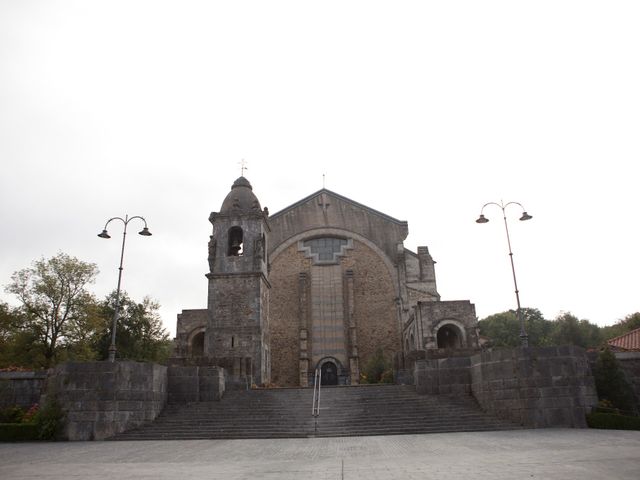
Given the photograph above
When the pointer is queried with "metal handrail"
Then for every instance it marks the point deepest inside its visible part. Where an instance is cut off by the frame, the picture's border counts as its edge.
(317, 382)
(315, 408)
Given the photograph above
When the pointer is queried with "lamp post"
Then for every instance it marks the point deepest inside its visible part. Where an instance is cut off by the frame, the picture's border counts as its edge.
(524, 338)
(145, 233)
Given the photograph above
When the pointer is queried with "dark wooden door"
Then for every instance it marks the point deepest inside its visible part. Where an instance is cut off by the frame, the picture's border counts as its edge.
(329, 374)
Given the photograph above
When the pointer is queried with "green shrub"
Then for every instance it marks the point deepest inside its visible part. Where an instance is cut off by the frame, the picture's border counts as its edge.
(11, 415)
(36, 424)
(49, 420)
(378, 369)
(18, 432)
(613, 421)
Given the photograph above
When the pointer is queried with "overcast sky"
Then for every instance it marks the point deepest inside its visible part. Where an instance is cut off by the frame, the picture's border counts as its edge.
(422, 110)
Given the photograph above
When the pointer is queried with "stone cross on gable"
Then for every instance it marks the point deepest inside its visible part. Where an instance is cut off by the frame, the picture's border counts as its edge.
(323, 201)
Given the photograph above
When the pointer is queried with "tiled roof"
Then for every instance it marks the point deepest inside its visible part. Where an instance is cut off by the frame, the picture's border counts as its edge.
(629, 341)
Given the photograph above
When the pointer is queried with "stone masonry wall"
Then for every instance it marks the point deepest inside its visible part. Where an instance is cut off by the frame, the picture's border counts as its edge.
(375, 309)
(195, 384)
(447, 376)
(535, 387)
(630, 364)
(102, 399)
(21, 389)
(284, 315)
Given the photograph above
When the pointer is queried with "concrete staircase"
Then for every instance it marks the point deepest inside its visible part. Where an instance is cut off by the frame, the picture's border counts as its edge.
(345, 411)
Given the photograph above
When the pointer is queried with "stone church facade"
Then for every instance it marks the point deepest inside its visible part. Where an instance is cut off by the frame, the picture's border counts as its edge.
(322, 284)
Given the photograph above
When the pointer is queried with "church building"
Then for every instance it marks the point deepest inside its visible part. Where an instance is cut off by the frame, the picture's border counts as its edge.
(322, 284)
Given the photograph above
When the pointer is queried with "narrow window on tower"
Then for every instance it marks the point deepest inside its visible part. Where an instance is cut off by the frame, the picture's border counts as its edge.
(233, 342)
(264, 248)
(235, 242)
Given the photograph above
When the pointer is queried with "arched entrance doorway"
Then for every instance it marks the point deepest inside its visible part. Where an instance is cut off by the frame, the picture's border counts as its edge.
(197, 345)
(329, 373)
(449, 337)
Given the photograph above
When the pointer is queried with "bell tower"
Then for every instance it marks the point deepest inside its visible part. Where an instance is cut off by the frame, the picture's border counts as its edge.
(238, 298)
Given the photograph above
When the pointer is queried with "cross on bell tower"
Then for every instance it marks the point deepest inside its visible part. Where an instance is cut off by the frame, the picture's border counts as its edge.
(243, 167)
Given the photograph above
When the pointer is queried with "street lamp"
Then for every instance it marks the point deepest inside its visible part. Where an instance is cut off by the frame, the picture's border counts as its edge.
(145, 233)
(524, 338)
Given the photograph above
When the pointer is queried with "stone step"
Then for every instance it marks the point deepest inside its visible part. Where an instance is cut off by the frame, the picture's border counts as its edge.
(345, 411)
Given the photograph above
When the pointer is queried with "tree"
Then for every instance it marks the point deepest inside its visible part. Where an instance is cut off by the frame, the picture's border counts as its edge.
(568, 330)
(55, 302)
(7, 323)
(611, 383)
(504, 328)
(140, 334)
(18, 347)
(627, 324)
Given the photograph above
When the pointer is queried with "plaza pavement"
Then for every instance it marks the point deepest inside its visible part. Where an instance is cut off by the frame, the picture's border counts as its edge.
(520, 454)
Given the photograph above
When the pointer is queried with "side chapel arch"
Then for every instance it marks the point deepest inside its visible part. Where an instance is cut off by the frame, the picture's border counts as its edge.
(195, 342)
(450, 334)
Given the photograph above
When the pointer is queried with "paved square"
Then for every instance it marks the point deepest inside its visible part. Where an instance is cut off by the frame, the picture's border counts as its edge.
(561, 454)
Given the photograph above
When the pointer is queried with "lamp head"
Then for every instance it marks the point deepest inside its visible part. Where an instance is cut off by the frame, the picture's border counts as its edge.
(525, 216)
(104, 234)
(145, 232)
(482, 219)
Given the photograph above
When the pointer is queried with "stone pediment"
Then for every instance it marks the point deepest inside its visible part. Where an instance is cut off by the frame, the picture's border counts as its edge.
(325, 209)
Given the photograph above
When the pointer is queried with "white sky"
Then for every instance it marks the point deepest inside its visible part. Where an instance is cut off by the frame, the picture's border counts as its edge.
(422, 110)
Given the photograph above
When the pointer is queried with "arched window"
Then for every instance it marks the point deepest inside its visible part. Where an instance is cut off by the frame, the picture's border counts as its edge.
(235, 242)
(413, 342)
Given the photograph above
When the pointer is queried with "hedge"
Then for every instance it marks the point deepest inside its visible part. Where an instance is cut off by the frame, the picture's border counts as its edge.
(613, 421)
(16, 432)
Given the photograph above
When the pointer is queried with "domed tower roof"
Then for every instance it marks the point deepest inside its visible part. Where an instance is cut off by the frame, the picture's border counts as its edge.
(241, 198)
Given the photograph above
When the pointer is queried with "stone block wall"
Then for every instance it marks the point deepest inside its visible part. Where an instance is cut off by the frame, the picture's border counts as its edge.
(447, 376)
(102, 399)
(535, 387)
(195, 384)
(630, 364)
(21, 389)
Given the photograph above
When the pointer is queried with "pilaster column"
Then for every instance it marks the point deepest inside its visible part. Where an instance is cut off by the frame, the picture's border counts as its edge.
(351, 322)
(303, 319)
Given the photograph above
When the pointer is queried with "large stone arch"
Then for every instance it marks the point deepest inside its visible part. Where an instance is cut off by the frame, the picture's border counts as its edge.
(302, 332)
(340, 232)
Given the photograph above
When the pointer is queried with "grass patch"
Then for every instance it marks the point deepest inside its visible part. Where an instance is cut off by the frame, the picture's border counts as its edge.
(613, 421)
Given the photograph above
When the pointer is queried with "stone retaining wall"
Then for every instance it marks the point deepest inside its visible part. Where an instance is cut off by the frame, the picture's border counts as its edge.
(21, 388)
(535, 387)
(102, 399)
(195, 384)
(448, 376)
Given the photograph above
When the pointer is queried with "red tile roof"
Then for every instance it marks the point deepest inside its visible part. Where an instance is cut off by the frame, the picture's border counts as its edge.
(629, 341)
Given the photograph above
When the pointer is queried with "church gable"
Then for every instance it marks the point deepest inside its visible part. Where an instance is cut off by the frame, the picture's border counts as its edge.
(326, 209)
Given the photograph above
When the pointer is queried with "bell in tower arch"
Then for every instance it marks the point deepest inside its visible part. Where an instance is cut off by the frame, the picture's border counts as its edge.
(235, 241)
